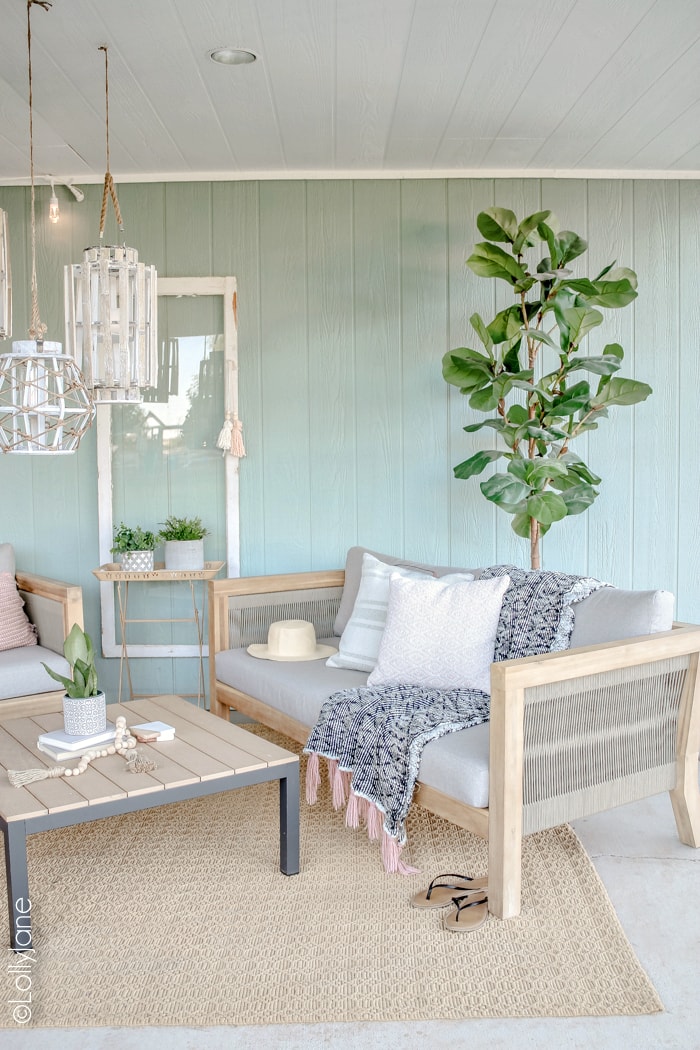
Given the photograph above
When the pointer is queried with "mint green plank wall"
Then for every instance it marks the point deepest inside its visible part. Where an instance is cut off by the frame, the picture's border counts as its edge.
(349, 294)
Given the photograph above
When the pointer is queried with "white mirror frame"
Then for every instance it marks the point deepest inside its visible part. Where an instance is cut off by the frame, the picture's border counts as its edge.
(177, 286)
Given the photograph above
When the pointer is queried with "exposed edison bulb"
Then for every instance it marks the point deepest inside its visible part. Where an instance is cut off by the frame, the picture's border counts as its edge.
(54, 213)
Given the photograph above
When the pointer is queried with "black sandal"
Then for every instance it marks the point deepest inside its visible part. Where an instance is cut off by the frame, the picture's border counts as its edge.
(440, 894)
(463, 921)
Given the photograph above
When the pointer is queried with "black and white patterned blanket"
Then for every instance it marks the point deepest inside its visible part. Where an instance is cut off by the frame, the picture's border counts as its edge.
(377, 736)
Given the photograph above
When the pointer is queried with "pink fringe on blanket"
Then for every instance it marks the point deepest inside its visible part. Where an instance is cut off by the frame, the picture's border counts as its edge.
(357, 811)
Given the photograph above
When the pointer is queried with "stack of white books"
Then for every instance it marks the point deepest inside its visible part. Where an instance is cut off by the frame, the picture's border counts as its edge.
(61, 746)
(153, 732)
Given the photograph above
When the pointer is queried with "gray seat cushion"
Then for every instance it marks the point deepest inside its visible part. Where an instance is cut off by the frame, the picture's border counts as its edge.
(21, 673)
(610, 614)
(456, 764)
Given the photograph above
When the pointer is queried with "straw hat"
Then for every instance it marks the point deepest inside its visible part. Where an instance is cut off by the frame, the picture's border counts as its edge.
(291, 640)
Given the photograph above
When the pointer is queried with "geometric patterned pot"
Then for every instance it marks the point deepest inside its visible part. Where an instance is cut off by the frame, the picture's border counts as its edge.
(137, 561)
(84, 715)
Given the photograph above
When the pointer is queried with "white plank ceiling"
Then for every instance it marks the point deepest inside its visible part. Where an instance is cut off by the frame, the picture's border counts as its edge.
(353, 88)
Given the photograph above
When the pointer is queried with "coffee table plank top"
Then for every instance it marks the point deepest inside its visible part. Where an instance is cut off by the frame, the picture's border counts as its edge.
(205, 748)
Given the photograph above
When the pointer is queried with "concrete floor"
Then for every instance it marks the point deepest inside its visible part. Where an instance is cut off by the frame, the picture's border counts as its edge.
(654, 884)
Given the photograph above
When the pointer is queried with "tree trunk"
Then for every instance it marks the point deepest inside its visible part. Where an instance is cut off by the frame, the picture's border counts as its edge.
(534, 544)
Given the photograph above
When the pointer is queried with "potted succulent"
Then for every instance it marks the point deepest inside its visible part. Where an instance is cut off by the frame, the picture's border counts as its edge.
(183, 539)
(135, 547)
(84, 707)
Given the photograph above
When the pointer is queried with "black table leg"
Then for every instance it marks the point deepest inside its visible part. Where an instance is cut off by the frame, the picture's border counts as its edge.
(289, 821)
(18, 900)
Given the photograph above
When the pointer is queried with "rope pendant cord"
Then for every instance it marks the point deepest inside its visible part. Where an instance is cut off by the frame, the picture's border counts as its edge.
(109, 188)
(37, 328)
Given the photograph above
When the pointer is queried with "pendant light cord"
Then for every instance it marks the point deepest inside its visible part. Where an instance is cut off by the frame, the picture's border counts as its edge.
(37, 329)
(109, 181)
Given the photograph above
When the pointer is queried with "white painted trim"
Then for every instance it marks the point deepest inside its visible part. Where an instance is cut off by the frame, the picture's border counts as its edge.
(311, 176)
(175, 286)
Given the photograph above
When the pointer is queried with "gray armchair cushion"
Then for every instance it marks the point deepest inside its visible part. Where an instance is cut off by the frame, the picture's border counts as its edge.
(21, 673)
(610, 614)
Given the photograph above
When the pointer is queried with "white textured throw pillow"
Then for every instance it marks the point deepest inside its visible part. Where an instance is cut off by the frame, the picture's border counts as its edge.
(440, 635)
(359, 642)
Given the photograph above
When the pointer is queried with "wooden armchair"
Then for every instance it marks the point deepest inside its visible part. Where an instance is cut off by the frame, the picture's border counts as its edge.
(571, 733)
(53, 607)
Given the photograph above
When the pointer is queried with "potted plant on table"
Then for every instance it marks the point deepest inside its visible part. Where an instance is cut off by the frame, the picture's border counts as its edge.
(136, 547)
(84, 706)
(183, 539)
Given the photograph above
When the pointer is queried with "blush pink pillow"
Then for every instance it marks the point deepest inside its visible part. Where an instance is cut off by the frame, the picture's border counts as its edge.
(15, 629)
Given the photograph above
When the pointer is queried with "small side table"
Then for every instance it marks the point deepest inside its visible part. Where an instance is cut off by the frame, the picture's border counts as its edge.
(113, 573)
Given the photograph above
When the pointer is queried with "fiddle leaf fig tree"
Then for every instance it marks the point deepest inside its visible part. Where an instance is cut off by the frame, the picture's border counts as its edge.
(538, 408)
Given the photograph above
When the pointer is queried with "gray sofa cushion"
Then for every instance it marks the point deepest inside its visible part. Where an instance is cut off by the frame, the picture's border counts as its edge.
(21, 673)
(610, 614)
(353, 575)
(299, 689)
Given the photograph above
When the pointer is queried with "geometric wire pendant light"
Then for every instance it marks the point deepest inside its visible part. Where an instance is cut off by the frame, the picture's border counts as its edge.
(112, 310)
(45, 407)
(5, 280)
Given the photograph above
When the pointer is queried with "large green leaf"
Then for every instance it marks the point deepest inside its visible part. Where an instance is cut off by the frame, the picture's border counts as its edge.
(602, 366)
(504, 488)
(580, 320)
(619, 391)
(528, 226)
(570, 246)
(495, 424)
(484, 400)
(466, 369)
(544, 470)
(497, 224)
(547, 507)
(578, 498)
(613, 294)
(477, 463)
(481, 330)
(488, 260)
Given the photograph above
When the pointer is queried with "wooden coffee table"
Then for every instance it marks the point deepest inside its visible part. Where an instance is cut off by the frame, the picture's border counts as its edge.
(208, 755)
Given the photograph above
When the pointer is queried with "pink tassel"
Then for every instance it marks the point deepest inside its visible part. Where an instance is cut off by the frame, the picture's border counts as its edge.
(374, 820)
(391, 857)
(341, 786)
(352, 813)
(313, 778)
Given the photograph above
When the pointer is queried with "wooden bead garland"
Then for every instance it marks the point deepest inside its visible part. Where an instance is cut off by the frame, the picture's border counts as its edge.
(124, 745)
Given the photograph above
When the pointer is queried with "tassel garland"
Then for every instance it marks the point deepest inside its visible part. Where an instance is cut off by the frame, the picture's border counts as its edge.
(230, 437)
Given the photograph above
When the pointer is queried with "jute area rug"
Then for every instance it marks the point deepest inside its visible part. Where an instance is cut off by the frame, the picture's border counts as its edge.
(180, 916)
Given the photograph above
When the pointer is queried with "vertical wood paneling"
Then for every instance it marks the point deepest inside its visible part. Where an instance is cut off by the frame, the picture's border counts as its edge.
(687, 547)
(611, 447)
(332, 396)
(285, 377)
(472, 518)
(424, 327)
(378, 337)
(349, 294)
(655, 494)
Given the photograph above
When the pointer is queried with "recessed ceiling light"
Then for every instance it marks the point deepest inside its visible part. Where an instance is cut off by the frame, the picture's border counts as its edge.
(232, 56)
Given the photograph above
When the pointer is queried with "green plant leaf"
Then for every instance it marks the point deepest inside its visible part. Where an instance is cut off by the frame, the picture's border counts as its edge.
(497, 224)
(613, 350)
(578, 498)
(507, 324)
(528, 226)
(602, 366)
(484, 400)
(517, 414)
(504, 488)
(466, 369)
(541, 337)
(569, 246)
(544, 470)
(546, 507)
(547, 234)
(521, 525)
(613, 294)
(580, 320)
(482, 331)
(477, 463)
(620, 273)
(619, 391)
(488, 260)
(495, 424)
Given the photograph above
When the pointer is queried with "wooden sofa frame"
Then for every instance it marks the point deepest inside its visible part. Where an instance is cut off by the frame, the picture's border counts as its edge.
(53, 607)
(571, 733)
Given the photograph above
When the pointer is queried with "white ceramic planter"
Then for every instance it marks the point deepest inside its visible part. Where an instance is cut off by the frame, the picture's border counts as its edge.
(184, 554)
(84, 715)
